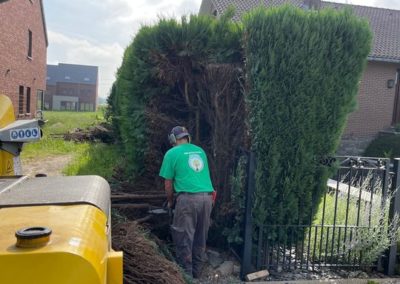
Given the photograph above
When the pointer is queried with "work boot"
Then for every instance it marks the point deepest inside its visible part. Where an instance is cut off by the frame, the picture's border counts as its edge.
(198, 270)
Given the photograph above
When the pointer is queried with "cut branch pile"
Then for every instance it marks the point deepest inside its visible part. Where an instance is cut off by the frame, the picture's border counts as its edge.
(139, 204)
(143, 263)
(99, 132)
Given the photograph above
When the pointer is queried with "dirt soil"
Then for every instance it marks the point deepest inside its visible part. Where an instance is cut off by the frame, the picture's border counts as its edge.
(51, 166)
(143, 262)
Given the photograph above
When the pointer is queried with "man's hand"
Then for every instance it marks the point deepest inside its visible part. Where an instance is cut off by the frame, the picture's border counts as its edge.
(170, 192)
(214, 197)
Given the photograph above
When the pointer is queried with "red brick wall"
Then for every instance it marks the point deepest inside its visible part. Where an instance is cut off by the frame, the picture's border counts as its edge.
(87, 93)
(17, 17)
(375, 102)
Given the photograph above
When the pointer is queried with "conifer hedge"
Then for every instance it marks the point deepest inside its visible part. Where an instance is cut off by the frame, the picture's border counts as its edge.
(297, 71)
(303, 70)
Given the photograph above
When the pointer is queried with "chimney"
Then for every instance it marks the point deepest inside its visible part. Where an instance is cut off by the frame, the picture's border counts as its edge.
(312, 4)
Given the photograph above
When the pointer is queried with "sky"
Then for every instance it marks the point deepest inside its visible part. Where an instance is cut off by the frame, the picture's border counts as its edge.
(96, 32)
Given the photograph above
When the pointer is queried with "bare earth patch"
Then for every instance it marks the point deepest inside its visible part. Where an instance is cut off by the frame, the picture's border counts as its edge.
(51, 165)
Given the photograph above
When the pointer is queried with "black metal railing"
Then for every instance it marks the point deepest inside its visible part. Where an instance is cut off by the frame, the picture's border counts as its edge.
(360, 201)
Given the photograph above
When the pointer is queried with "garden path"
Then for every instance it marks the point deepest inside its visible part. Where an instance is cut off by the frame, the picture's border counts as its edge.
(50, 165)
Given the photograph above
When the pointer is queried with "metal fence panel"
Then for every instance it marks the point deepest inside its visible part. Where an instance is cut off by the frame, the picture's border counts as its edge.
(353, 208)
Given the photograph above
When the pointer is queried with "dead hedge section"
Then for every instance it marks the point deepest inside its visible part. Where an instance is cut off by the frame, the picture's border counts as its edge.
(186, 72)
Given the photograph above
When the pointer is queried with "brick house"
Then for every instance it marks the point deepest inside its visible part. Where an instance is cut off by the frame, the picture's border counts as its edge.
(71, 87)
(23, 45)
(379, 93)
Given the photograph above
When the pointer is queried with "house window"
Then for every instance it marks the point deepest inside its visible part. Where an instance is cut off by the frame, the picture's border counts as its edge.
(91, 108)
(66, 105)
(39, 100)
(67, 77)
(28, 100)
(88, 107)
(21, 100)
(30, 44)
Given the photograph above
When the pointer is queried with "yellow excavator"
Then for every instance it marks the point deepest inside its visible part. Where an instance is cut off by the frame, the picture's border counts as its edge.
(52, 229)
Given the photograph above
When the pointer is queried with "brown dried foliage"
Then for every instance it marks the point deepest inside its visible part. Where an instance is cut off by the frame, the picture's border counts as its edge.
(143, 263)
(211, 105)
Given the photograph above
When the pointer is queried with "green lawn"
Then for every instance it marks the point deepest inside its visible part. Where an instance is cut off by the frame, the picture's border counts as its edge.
(62, 122)
(88, 158)
(99, 159)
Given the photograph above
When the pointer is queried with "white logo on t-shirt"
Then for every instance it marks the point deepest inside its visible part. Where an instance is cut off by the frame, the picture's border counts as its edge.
(196, 162)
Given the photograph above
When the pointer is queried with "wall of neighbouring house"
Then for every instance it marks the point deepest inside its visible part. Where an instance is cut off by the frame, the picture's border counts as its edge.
(51, 90)
(375, 108)
(71, 96)
(16, 68)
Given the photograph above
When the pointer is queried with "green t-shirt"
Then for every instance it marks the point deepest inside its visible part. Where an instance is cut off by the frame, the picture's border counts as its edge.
(187, 166)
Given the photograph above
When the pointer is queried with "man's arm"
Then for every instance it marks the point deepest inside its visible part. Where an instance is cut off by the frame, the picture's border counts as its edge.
(169, 191)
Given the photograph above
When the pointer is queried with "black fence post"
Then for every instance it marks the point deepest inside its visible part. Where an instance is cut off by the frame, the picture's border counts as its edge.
(394, 209)
(248, 221)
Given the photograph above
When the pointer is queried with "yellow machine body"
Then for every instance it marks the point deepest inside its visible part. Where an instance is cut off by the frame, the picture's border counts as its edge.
(78, 251)
(6, 117)
(62, 223)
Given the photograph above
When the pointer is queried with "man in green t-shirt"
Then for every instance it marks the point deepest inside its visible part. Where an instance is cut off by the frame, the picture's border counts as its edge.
(185, 170)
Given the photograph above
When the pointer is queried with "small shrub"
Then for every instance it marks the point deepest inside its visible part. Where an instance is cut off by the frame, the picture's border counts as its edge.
(367, 236)
(387, 146)
(371, 242)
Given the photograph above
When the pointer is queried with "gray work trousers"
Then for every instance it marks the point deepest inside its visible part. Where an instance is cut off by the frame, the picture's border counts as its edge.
(190, 229)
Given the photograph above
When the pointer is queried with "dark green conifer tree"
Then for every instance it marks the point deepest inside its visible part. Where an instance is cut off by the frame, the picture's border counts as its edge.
(303, 70)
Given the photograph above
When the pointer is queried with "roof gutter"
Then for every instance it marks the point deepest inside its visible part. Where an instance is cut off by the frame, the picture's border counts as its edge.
(382, 59)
